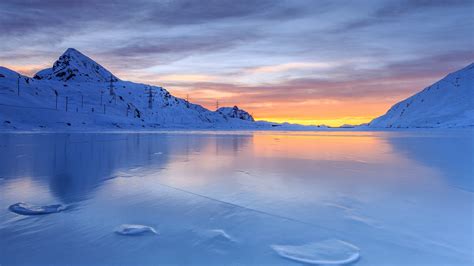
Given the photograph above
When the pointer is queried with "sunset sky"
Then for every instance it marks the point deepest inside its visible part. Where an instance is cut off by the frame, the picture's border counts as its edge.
(309, 62)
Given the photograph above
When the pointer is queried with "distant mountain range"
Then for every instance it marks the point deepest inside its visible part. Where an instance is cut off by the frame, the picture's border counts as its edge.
(77, 93)
(447, 103)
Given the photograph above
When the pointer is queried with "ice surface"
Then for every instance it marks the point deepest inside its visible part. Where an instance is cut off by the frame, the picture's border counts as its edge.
(135, 229)
(327, 252)
(215, 240)
(215, 235)
(27, 209)
(224, 198)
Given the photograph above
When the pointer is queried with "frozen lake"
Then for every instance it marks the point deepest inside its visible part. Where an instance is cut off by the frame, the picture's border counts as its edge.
(262, 198)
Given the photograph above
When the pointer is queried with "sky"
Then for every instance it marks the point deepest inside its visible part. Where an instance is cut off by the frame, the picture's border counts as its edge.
(310, 62)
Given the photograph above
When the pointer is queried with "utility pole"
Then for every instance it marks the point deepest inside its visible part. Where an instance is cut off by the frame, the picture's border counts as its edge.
(150, 93)
(18, 85)
(56, 93)
(217, 104)
(111, 87)
(187, 100)
(112, 90)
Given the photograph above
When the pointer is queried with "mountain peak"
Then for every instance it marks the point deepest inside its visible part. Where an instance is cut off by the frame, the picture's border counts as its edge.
(73, 65)
(74, 53)
(235, 112)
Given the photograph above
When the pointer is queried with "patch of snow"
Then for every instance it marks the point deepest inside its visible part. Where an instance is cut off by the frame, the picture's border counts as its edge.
(135, 229)
(27, 209)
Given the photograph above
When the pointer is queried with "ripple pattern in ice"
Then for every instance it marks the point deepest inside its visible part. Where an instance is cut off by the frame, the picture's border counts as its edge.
(217, 235)
(135, 229)
(327, 252)
(27, 209)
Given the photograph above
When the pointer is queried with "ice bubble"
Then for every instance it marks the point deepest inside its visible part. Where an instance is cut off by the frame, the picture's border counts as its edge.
(135, 229)
(327, 252)
(27, 209)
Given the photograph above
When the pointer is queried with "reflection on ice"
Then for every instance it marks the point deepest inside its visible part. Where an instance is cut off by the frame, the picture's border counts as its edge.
(453, 155)
(327, 252)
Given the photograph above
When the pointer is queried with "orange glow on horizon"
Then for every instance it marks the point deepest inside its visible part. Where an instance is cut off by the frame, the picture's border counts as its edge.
(320, 111)
(328, 122)
(27, 70)
(361, 145)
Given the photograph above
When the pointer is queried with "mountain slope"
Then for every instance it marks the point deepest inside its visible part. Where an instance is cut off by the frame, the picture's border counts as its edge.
(447, 103)
(78, 93)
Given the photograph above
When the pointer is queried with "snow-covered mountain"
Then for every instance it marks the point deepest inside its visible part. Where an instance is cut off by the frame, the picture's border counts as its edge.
(235, 112)
(78, 93)
(74, 66)
(447, 103)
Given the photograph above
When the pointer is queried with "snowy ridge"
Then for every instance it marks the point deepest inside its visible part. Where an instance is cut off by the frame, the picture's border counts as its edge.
(447, 103)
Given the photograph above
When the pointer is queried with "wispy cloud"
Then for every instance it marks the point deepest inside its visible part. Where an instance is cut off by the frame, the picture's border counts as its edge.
(186, 78)
(291, 66)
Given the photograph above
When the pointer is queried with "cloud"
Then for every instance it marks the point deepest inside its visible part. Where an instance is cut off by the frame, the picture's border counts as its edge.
(291, 66)
(393, 81)
(20, 17)
(187, 78)
(185, 12)
(392, 11)
(403, 7)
